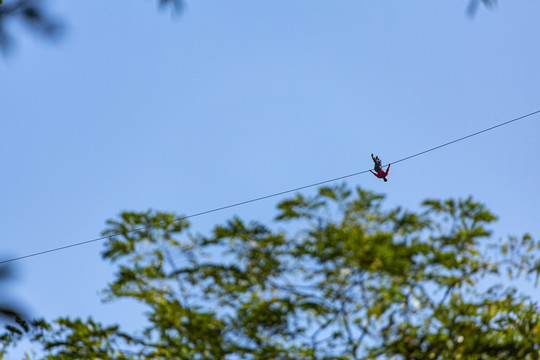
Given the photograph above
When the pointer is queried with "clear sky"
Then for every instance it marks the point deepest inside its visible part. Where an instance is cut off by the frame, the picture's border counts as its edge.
(135, 109)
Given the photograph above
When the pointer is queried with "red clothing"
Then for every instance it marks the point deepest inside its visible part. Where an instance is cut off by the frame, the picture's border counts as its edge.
(382, 174)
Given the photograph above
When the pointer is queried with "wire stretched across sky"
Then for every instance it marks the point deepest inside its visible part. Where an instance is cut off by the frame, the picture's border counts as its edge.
(271, 195)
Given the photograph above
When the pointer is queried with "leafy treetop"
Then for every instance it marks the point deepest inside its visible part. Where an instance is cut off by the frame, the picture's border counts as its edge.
(339, 278)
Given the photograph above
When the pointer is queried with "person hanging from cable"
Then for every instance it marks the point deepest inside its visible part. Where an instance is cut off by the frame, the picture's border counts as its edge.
(382, 174)
(379, 172)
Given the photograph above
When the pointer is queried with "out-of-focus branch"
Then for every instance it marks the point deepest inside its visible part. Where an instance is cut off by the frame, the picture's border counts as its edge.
(30, 13)
(473, 6)
(176, 5)
(35, 16)
(12, 317)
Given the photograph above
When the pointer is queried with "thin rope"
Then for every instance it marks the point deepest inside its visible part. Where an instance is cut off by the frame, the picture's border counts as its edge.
(466, 137)
(266, 196)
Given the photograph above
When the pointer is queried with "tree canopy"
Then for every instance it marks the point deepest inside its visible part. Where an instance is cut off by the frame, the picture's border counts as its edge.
(337, 276)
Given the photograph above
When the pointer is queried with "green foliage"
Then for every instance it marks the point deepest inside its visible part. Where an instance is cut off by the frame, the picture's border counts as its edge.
(12, 318)
(356, 281)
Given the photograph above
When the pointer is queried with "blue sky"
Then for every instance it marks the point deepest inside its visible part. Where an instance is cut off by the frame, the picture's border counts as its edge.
(135, 109)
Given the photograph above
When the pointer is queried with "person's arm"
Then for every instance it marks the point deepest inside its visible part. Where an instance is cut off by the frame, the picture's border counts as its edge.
(373, 173)
(387, 169)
